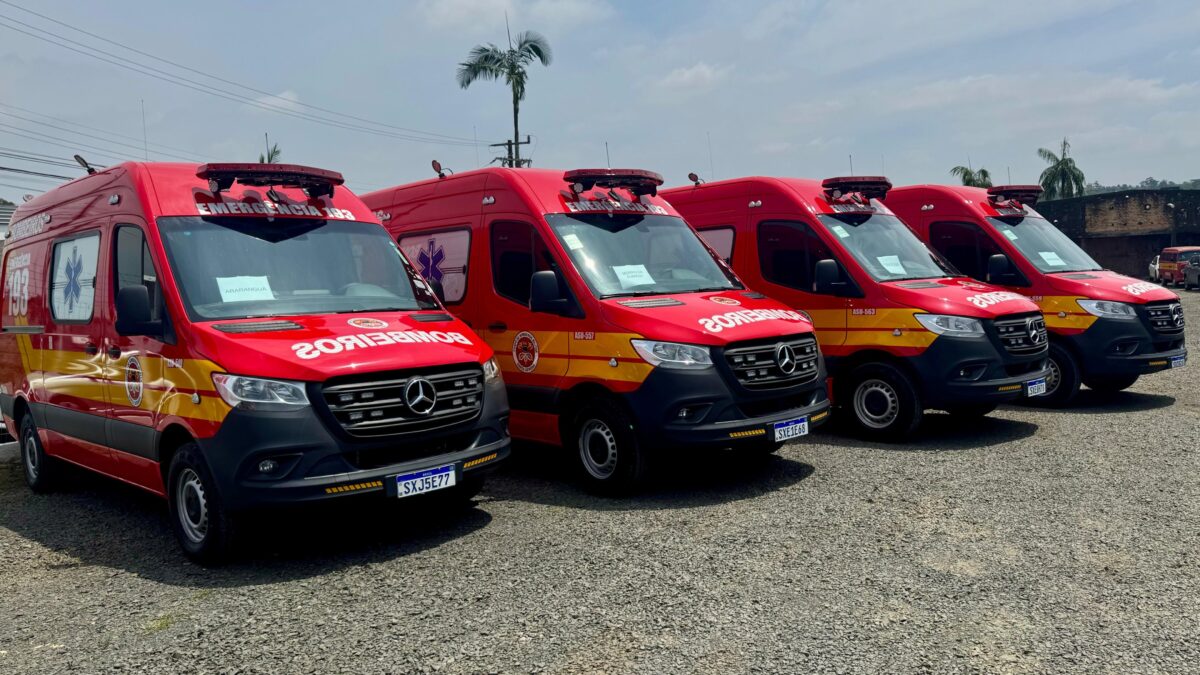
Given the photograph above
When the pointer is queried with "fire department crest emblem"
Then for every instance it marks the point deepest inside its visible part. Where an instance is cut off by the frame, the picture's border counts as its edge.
(525, 351)
(134, 381)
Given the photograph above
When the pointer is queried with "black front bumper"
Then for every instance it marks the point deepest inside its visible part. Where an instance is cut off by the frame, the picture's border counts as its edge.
(957, 371)
(1118, 347)
(317, 460)
(723, 414)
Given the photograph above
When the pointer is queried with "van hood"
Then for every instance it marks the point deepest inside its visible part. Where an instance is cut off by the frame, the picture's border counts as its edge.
(1106, 285)
(315, 348)
(960, 296)
(706, 318)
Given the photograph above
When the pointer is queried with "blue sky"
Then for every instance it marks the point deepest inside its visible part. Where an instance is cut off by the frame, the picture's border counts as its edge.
(791, 88)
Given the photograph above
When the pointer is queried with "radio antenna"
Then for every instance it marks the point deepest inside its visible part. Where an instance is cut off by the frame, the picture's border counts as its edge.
(607, 158)
(852, 164)
(712, 173)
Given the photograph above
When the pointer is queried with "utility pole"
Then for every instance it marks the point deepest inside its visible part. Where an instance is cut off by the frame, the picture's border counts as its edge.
(508, 160)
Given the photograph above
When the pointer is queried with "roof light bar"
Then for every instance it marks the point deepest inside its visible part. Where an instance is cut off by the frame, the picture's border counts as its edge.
(1022, 194)
(871, 187)
(314, 182)
(637, 181)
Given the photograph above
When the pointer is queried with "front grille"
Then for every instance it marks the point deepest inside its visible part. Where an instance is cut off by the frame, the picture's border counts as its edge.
(1022, 334)
(756, 364)
(1166, 317)
(375, 405)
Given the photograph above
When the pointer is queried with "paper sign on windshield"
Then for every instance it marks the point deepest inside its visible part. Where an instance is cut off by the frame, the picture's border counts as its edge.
(1010, 234)
(572, 241)
(1051, 258)
(891, 263)
(632, 275)
(244, 289)
(840, 231)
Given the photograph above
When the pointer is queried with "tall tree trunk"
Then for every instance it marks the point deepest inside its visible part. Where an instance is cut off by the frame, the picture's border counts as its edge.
(516, 131)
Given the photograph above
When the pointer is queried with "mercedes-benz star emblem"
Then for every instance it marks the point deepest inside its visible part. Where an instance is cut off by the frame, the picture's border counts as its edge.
(1035, 331)
(420, 395)
(1177, 315)
(785, 358)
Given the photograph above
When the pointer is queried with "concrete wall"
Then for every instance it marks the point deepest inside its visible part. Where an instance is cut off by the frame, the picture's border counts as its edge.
(1124, 230)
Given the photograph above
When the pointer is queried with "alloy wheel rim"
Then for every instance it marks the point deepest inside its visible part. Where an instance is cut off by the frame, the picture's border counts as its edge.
(31, 458)
(192, 506)
(876, 403)
(1054, 378)
(598, 449)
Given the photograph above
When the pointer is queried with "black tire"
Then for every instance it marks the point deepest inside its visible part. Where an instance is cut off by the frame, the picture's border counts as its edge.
(608, 456)
(1062, 384)
(204, 527)
(971, 411)
(1111, 384)
(882, 403)
(41, 470)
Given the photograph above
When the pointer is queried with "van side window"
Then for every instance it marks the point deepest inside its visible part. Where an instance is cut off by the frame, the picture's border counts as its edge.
(719, 239)
(788, 253)
(73, 278)
(441, 256)
(965, 245)
(517, 252)
(134, 267)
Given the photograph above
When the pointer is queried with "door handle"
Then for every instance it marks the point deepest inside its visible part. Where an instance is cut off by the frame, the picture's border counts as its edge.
(498, 327)
(114, 352)
(91, 349)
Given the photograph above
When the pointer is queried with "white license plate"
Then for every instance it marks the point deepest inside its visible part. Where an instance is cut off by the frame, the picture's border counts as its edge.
(1035, 387)
(1178, 361)
(791, 429)
(420, 482)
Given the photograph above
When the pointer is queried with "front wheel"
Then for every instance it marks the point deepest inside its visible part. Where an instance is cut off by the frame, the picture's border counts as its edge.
(884, 402)
(609, 457)
(1110, 384)
(41, 470)
(204, 528)
(1062, 384)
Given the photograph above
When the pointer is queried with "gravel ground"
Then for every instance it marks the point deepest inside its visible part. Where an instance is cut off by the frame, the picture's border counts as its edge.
(1031, 541)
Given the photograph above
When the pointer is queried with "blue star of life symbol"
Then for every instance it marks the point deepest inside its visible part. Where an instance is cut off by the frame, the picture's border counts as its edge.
(74, 289)
(430, 259)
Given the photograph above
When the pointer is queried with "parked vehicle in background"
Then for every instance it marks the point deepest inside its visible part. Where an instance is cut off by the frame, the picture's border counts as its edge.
(1191, 273)
(234, 336)
(1152, 274)
(1172, 262)
(901, 330)
(1106, 329)
(619, 333)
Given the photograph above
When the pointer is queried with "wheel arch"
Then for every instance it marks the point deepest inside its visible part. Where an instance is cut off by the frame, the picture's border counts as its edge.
(173, 437)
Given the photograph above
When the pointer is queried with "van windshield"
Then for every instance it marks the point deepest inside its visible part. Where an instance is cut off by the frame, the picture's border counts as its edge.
(232, 268)
(885, 247)
(639, 254)
(1044, 245)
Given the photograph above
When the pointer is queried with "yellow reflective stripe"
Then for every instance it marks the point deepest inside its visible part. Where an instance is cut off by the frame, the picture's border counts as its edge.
(1053, 306)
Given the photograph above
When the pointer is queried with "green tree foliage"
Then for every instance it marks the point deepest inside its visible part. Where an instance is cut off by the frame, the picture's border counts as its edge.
(1062, 179)
(489, 62)
(972, 177)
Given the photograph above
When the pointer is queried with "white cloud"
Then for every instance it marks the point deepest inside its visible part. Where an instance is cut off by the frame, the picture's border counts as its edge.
(695, 78)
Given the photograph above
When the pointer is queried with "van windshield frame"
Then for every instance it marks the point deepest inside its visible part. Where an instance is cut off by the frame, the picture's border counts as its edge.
(1045, 246)
(885, 247)
(634, 254)
(242, 268)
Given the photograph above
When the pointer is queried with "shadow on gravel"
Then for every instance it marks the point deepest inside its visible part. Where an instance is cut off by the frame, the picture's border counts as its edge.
(679, 479)
(941, 432)
(103, 523)
(1091, 402)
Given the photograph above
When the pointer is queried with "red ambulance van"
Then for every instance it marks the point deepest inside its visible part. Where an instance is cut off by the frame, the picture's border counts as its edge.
(232, 336)
(617, 330)
(901, 330)
(1173, 263)
(1106, 329)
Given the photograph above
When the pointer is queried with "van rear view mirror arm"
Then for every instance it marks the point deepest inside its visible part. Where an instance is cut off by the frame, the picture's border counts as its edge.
(546, 295)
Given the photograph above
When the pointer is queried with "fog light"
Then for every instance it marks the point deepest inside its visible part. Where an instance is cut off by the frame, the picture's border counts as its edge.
(268, 466)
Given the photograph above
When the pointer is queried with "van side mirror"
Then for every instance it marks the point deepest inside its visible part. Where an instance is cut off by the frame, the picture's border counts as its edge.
(998, 267)
(545, 294)
(827, 278)
(438, 289)
(133, 312)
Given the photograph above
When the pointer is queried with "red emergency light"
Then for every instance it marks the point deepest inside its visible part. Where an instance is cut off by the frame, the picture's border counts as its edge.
(314, 182)
(871, 187)
(1022, 194)
(637, 181)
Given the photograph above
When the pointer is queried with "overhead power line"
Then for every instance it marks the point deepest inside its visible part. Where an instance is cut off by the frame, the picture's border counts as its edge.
(36, 174)
(69, 144)
(108, 132)
(93, 136)
(159, 74)
(231, 82)
(38, 160)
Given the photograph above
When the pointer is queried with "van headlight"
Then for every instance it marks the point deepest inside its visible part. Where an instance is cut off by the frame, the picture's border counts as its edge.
(253, 393)
(949, 324)
(1108, 309)
(673, 354)
(491, 370)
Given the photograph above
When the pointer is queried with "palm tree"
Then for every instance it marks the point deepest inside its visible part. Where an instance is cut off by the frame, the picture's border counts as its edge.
(971, 177)
(1062, 179)
(489, 62)
(272, 156)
